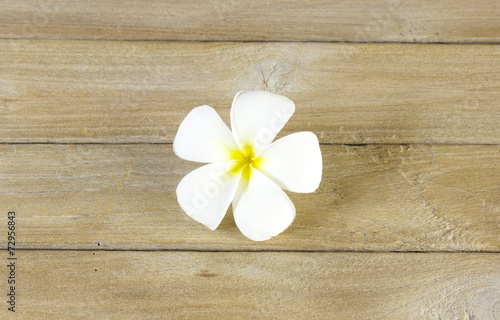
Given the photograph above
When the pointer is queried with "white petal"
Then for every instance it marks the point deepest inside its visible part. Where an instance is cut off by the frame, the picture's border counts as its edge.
(204, 137)
(206, 193)
(293, 162)
(262, 210)
(258, 116)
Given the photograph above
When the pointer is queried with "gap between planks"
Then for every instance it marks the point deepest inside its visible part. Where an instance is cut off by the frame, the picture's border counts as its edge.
(170, 143)
(264, 251)
(340, 42)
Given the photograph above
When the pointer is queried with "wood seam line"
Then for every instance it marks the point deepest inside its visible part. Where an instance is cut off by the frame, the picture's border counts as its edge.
(265, 251)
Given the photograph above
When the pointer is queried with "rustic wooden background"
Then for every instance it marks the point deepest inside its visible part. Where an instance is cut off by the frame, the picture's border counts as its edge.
(403, 95)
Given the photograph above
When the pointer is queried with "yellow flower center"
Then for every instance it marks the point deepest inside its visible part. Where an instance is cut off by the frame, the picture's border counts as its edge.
(244, 160)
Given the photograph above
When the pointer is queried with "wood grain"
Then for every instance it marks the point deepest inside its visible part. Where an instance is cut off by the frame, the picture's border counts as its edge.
(270, 20)
(229, 285)
(112, 92)
(372, 198)
(405, 224)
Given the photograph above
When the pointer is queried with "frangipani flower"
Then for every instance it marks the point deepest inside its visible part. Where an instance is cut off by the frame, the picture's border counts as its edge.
(244, 166)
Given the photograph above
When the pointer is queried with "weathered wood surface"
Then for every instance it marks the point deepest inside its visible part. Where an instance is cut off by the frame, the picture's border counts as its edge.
(109, 92)
(377, 198)
(410, 138)
(266, 285)
(271, 20)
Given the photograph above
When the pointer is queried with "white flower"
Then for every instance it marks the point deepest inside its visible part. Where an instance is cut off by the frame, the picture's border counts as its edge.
(245, 168)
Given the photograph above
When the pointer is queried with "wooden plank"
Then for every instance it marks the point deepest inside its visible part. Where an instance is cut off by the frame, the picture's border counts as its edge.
(111, 92)
(380, 198)
(229, 285)
(270, 20)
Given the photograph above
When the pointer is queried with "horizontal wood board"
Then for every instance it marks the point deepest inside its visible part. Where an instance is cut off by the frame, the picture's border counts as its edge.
(371, 198)
(267, 285)
(116, 92)
(425, 21)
